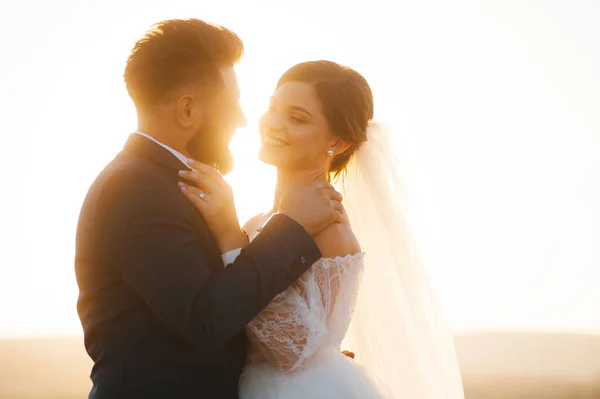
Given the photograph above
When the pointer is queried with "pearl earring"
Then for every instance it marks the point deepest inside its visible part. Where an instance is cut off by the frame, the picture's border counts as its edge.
(330, 152)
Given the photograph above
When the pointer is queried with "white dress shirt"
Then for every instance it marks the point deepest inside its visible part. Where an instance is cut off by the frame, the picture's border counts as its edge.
(228, 257)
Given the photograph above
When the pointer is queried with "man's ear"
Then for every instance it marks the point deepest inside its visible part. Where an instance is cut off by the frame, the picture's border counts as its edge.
(186, 109)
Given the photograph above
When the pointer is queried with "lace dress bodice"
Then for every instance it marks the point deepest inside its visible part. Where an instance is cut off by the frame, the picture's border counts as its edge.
(312, 314)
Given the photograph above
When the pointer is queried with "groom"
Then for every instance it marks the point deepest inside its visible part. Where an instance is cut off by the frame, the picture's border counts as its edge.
(162, 315)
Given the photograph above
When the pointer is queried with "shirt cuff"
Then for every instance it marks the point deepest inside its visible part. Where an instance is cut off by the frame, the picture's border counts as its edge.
(231, 256)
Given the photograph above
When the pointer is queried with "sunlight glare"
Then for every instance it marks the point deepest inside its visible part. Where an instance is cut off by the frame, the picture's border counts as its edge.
(496, 121)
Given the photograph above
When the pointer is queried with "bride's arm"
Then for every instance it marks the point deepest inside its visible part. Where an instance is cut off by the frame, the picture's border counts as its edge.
(286, 332)
(279, 332)
(294, 325)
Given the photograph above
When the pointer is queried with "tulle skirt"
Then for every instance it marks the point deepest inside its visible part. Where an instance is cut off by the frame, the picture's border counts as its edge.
(327, 375)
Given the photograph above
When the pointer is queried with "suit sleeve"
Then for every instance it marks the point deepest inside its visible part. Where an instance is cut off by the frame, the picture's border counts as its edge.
(153, 246)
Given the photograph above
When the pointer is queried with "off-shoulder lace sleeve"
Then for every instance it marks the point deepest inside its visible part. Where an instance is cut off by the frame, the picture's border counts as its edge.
(313, 312)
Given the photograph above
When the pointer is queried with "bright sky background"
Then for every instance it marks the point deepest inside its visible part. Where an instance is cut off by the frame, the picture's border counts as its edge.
(494, 104)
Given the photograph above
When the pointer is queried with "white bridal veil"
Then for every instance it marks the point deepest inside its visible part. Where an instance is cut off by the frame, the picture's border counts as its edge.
(398, 332)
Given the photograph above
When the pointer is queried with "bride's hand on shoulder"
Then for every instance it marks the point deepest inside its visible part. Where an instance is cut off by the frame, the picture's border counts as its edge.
(213, 197)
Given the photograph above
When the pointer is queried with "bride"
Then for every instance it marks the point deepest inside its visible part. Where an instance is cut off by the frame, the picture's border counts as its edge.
(369, 288)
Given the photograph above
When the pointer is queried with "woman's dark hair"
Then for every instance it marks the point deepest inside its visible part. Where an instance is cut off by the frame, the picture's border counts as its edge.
(175, 53)
(346, 101)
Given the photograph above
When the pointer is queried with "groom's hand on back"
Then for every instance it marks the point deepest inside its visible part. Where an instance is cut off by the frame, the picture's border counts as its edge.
(314, 205)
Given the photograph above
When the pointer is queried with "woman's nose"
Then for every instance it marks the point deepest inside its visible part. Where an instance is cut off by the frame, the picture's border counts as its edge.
(272, 121)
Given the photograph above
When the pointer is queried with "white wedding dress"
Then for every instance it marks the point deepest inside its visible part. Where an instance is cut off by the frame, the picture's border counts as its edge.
(381, 304)
(296, 340)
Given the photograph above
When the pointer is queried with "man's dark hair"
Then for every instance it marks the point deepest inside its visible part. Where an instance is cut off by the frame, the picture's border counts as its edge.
(175, 53)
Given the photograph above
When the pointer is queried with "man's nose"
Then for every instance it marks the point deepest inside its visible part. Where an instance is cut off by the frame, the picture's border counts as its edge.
(242, 121)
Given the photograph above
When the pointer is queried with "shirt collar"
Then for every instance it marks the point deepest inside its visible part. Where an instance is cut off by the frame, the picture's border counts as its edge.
(184, 160)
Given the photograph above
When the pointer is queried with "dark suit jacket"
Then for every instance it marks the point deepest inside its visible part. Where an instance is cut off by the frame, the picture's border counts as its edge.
(162, 317)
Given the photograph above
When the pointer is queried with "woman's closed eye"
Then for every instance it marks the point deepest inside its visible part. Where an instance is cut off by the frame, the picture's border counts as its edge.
(297, 119)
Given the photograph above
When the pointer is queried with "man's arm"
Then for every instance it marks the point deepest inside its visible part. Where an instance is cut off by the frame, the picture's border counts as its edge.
(151, 244)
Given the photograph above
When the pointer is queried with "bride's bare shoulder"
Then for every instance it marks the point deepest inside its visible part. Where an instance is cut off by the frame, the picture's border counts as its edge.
(338, 240)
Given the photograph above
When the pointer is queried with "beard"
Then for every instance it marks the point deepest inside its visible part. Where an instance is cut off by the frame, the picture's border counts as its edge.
(212, 148)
